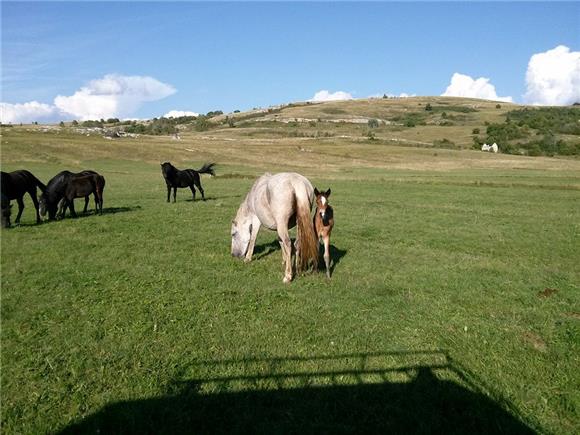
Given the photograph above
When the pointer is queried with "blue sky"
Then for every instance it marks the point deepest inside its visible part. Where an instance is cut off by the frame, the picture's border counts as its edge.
(198, 57)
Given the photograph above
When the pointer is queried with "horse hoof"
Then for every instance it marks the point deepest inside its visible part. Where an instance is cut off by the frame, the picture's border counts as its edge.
(287, 280)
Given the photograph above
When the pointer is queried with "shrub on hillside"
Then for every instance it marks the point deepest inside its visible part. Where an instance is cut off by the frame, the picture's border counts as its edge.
(92, 124)
(444, 143)
(202, 124)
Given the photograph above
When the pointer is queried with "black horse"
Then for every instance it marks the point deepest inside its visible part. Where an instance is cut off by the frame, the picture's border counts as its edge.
(55, 190)
(14, 186)
(175, 178)
(83, 186)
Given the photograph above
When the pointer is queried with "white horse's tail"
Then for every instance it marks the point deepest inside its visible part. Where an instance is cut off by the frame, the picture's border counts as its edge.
(305, 233)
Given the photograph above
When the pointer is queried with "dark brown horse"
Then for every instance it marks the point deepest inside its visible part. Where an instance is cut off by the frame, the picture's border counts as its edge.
(14, 185)
(175, 178)
(83, 186)
(55, 189)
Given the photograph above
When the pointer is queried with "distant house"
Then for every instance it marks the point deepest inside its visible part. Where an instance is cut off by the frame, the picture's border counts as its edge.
(490, 148)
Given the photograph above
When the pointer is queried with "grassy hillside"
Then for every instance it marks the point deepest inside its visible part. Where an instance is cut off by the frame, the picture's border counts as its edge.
(454, 304)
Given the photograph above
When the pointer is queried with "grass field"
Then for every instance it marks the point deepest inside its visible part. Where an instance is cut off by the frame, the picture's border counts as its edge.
(454, 304)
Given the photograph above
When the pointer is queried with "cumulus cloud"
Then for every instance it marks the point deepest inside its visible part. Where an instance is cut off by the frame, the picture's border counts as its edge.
(179, 114)
(113, 96)
(553, 77)
(27, 112)
(464, 86)
(324, 95)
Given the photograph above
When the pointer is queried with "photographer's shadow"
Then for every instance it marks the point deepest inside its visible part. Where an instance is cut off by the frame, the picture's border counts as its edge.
(345, 394)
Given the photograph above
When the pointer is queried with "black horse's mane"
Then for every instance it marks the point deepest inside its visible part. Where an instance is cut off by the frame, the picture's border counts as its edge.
(56, 184)
(168, 169)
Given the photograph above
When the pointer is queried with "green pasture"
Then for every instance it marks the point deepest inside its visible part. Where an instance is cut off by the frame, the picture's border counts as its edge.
(453, 307)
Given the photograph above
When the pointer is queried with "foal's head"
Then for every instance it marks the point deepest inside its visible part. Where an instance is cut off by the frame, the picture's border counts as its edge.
(322, 201)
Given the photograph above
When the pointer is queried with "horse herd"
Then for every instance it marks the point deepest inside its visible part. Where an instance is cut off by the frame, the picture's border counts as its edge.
(56, 196)
(277, 202)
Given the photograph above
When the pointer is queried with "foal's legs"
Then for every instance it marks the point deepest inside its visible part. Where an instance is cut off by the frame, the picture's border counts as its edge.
(174, 193)
(99, 202)
(71, 206)
(168, 192)
(20, 208)
(326, 240)
(192, 191)
(87, 198)
(62, 207)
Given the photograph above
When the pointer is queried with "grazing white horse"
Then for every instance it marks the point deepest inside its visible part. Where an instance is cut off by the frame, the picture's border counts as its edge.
(278, 202)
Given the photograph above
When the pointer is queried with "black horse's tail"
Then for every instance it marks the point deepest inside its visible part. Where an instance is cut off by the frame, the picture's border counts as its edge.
(207, 169)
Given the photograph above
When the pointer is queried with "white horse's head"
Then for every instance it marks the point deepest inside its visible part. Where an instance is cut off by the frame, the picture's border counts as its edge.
(241, 232)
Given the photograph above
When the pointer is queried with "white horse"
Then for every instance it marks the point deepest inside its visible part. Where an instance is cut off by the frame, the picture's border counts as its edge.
(278, 202)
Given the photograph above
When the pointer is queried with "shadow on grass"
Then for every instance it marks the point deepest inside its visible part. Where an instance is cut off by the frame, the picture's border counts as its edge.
(335, 257)
(80, 215)
(106, 210)
(114, 210)
(212, 198)
(396, 392)
(261, 251)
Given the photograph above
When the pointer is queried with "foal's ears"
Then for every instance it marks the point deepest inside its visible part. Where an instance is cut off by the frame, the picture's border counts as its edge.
(327, 193)
(316, 192)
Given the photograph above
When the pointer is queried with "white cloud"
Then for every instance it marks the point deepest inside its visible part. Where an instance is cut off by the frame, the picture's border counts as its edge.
(324, 95)
(27, 112)
(464, 86)
(179, 113)
(113, 96)
(553, 77)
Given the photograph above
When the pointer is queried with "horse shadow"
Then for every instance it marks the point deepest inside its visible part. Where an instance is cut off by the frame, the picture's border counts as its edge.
(265, 249)
(207, 198)
(115, 210)
(392, 392)
(336, 254)
(92, 212)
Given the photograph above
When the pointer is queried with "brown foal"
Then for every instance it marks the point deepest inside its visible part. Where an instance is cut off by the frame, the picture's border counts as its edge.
(323, 223)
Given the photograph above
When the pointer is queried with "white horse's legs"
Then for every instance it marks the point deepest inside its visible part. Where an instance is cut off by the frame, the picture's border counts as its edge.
(255, 228)
(286, 245)
(297, 251)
